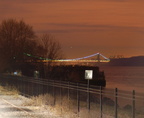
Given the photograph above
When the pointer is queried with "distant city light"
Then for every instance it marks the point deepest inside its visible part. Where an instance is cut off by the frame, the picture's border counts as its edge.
(15, 73)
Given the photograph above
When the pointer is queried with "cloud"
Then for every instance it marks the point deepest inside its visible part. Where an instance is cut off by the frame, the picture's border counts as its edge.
(68, 28)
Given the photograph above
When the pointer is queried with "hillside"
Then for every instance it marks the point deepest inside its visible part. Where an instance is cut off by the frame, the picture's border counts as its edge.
(132, 61)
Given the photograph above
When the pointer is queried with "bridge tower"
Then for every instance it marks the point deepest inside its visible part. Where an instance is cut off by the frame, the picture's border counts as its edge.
(98, 59)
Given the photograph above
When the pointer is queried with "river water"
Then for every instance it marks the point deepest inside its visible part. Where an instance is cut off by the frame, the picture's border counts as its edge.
(124, 77)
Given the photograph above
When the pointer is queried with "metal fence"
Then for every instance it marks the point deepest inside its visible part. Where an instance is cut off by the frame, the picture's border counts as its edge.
(113, 102)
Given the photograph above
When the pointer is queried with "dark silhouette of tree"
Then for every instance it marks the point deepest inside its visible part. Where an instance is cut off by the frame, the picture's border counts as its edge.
(16, 37)
(51, 50)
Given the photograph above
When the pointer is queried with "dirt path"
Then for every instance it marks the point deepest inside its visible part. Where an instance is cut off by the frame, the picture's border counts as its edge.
(12, 106)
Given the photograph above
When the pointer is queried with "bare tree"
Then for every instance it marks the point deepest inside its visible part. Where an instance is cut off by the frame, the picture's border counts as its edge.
(15, 38)
(51, 46)
(52, 50)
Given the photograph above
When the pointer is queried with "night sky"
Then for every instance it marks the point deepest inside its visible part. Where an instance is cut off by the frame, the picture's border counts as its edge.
(84, 27)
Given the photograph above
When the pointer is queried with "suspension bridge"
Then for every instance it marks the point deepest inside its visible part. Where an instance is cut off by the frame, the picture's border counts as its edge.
(97, 57)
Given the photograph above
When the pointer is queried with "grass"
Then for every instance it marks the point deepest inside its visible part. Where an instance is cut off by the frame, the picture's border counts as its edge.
(9, 90)
(68, 108)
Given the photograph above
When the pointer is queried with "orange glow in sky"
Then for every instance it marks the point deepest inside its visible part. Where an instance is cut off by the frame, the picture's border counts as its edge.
(84, 27)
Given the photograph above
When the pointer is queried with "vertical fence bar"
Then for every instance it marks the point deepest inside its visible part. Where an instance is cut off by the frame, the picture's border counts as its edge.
(17, 86)
(25, 91)
(42, 87)
(61, 95)
(101, 110)
(78, 104)
(27, 87)
(48, 87)
(69, 94)
(20, 83)
(24, 87)
(88, 96)
(32, 89)
(116, 101)
(133, 104)
(89, 104)
(38, 86)
(54, 91)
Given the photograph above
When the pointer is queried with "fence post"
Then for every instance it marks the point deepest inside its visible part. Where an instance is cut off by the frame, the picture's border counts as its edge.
(54, 91)
(133, 102)
(28, 88)
(88, 96)
(78, 105)
(32, 89)
(68, 95)
(42, 86)
(48, 87)
(38, 87)
(116, 101)
(23, 86)
(61, 95)
(101, 102)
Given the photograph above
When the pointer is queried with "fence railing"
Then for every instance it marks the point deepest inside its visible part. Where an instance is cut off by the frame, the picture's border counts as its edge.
(84, 96)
